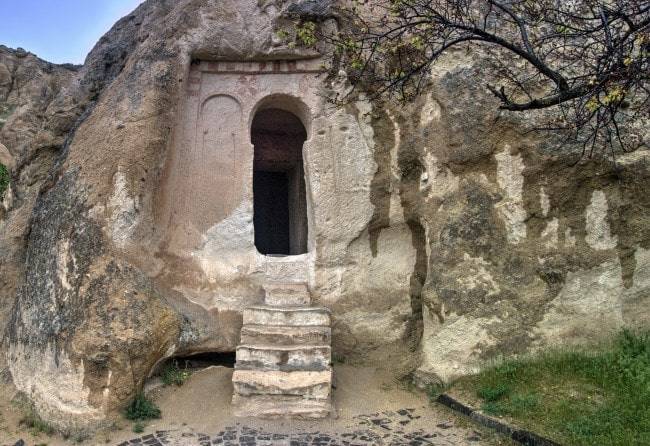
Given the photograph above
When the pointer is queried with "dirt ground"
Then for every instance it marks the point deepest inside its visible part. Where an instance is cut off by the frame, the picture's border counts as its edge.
(202, 406)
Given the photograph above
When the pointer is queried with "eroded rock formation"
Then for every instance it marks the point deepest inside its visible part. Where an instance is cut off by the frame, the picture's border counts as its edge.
(441, 234)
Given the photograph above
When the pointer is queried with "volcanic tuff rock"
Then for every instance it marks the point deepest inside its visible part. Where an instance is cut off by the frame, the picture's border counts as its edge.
(32, 131)
(442, 232)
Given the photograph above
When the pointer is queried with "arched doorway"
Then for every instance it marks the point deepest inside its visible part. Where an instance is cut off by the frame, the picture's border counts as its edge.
(280, 204)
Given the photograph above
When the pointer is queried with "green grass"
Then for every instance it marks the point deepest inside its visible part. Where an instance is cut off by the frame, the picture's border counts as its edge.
(141, 408)
(34, 423)
(4, 179)
(579, 397)
(174, 375)
(138, 427)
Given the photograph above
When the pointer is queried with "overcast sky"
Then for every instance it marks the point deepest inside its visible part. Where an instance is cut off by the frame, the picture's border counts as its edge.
(59, 31)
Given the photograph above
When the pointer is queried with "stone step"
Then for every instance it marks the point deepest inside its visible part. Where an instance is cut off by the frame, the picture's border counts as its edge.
(285, 335)
(293, 316)
(278, 293)
(284, 358)
(280, 406)
(309, 384)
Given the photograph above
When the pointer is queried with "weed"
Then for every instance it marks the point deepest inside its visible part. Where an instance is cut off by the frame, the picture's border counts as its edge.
(141, 408)
(282, 34)
(138, 427)
(4, 179)
(435, 390)
(32, 421)
(306, 34)
(493, 393)
(80, 437)
(174, 375)
(36, 425)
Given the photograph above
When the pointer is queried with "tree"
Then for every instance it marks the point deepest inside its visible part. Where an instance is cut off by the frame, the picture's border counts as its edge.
(588, 59)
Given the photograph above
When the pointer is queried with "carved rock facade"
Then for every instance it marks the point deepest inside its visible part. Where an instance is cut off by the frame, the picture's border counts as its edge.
(439, 234)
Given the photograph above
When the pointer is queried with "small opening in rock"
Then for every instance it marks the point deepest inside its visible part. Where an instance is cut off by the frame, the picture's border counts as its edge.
(202, 360)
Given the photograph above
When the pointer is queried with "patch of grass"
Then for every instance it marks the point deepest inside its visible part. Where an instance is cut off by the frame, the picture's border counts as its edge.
(435, 390)
(515, 405)
(138, 427)
(576, 397)
(496, 408)
(141, 408)
(4, 179)
(174, 375)
(34, 423)
(522, 404)
(493, 393)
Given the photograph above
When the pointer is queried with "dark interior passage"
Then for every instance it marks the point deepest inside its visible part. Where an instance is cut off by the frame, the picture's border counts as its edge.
(280, 205)
(271, 190)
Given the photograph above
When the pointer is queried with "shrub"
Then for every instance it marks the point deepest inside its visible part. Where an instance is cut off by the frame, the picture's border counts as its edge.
(32, 421)
(141, 408)
(306, 34)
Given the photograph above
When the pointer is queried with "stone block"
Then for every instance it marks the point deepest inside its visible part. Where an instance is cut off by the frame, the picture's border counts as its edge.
(292, 316)
(280, 406)
(287, 294)
(309, 384)
(284, 358)
(285, 335)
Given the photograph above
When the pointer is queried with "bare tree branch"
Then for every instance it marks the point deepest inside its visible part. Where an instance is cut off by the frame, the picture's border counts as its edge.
(590, 59)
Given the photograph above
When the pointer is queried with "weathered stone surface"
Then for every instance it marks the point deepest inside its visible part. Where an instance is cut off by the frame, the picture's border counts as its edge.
(32, 132)
(286, 316)
(280, 407)
(285, 335)
(285, 358)
(286, 294)
(311, 384)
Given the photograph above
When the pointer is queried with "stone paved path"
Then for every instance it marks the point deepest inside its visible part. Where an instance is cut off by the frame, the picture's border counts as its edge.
(380, 429)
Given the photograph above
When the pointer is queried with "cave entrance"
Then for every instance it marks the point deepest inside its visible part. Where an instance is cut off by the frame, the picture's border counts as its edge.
(204, 360)
(279, 198)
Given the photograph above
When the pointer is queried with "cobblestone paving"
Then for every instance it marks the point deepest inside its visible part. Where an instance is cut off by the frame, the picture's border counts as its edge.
(380, 429)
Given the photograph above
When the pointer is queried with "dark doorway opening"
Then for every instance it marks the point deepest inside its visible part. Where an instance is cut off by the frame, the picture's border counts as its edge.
(279, 198)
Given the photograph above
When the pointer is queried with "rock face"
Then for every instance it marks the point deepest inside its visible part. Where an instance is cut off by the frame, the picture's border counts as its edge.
(439, 234)
(32, 131)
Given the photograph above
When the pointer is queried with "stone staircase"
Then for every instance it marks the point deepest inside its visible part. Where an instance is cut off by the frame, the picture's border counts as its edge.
(283, 367)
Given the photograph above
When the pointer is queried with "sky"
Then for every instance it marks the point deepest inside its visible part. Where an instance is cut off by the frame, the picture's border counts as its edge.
(59, 31)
